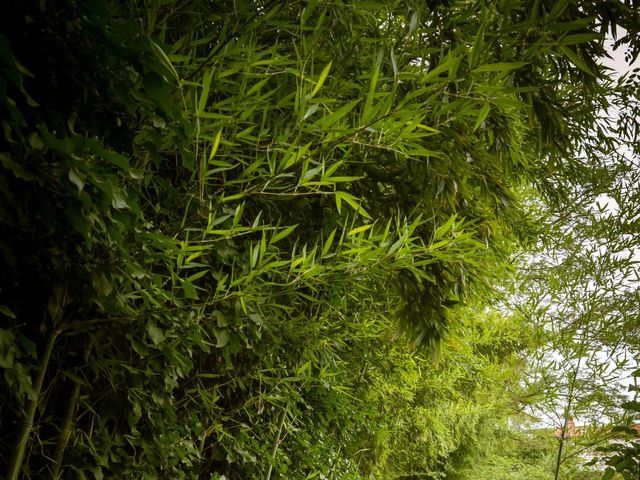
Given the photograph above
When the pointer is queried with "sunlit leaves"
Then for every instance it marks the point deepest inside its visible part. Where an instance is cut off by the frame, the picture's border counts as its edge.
(263, 219)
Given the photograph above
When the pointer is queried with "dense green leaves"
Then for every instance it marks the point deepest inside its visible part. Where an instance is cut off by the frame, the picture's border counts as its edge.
(235, 236)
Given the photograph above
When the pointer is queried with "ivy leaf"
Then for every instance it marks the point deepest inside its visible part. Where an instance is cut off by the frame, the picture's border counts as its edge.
(222, 336)
(118, 200)
(155, 333)
(101, 285)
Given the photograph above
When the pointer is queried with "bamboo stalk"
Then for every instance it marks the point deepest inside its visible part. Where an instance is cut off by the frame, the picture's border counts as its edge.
(65, 432)
(15, 465)
(276, 444)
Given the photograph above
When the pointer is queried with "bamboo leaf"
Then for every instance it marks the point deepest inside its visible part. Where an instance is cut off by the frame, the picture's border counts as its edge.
(164, 59)
(215, 145)
(321, 80)
(579, 38)
(449, 64)
(328, 242)
(558, 7)
(484, 111)
(499, 67)
(361, 229)
(283, 234)
(309, 174)
(237, 216)
(575, 59)
(413, 22)
(330, 180)
(394, 65)
(254, 253)
(352, 201)
(366, 111)
(204, 95)
(330, 120)
(197, 276)
(310, 111)
(444, 228)
(257, 87)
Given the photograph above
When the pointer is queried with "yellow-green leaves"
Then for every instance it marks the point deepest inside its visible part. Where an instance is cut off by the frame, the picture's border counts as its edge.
(282, 234)
(240, 249)
(482, 115)
(449, 64)
(357, 230)
(215, 145)
(443, 229)
(321, 79)
(350, 200)
(333, 118)
(164, 59)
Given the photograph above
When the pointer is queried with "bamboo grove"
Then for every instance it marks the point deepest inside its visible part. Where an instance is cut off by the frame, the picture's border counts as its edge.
(255, 239)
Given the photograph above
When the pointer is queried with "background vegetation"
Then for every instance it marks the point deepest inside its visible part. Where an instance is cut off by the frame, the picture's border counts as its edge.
(257, 239)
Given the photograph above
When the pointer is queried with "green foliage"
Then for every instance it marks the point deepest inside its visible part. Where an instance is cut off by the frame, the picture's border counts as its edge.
(234, 235)
(622, 456)
(580, 289)
(521, 451)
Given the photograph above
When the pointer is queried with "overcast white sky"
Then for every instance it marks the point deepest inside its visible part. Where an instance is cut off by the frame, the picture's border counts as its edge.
(617, 61)
(620, 67)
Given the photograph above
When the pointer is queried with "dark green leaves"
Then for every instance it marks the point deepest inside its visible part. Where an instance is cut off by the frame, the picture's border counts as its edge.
(250, 226)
